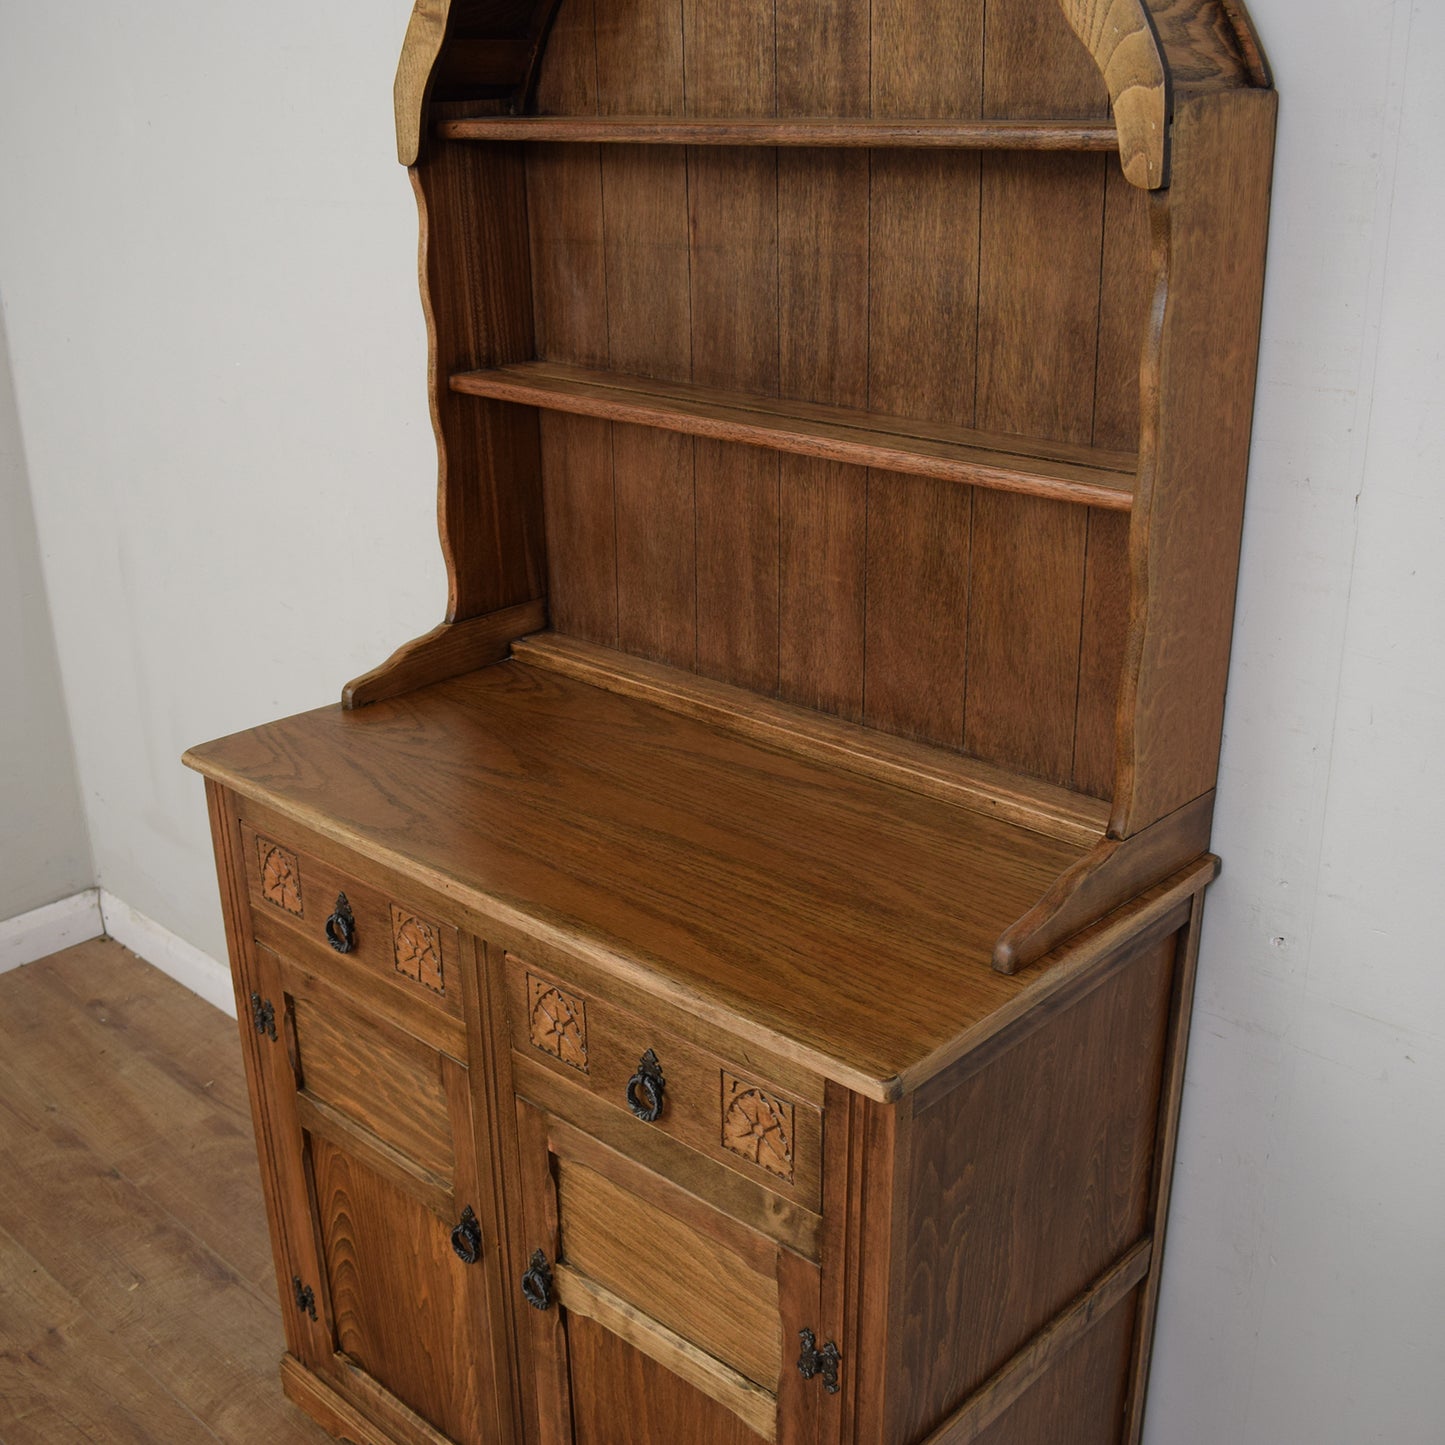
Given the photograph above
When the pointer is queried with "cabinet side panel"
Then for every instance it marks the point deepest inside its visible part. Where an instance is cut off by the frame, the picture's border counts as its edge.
(477, 285)
(1027, 1181)
(1081, 1400)
(1187, 521)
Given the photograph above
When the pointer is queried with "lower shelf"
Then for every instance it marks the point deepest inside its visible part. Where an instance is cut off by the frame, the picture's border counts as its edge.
(1086, 476)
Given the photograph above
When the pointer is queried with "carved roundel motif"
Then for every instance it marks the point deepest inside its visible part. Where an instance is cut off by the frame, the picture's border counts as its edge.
(416, 947)
(558, 1023)
(280, 876)
(757, 1126)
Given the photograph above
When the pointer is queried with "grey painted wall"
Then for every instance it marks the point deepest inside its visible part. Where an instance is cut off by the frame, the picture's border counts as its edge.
(44, 852)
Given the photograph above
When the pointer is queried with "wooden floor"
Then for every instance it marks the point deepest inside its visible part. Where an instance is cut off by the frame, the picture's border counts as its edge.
(137, 1296)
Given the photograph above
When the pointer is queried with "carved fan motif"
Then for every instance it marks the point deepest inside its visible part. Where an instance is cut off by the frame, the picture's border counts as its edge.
(757, 1126)
(280, 876)
(559, 1023)
(417, 948)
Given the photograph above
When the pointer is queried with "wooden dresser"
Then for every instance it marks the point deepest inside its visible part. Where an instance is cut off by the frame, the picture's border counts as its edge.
(729, 982)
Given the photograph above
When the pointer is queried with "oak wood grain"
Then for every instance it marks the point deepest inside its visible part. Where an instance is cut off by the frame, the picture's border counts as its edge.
(1038, 806)
(690, 1284)
(1184, 549)
(1058, 1134)
(636, 1397)
(1112, 872)
(919, 538)
(401, 1303)
(448, 650)
(474, 247)
(1120, 35)
(877, 439)
(1033, 1363)
(743, 910)
(1036, 135)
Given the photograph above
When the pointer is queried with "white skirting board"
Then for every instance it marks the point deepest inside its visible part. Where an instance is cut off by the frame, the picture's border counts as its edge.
(183, 961)
(95, 912)
(47, 930)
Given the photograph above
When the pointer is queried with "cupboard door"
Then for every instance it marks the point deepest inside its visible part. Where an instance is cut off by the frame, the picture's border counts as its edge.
(655, 1318)
(394, 1235)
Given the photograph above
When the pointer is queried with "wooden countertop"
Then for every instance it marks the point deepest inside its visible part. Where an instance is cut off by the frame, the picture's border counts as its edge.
(837, 919)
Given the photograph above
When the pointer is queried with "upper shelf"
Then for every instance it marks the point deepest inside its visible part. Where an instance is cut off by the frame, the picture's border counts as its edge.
(1084, 475)
(1007, 135)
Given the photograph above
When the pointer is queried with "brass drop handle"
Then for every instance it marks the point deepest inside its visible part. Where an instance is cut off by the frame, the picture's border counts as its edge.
(467, 1237)
(537, 1282)
(341, 926)
(645, 1089)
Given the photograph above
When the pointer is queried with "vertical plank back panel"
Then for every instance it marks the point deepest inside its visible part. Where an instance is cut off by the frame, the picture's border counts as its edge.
(918, 565)
(733, 226)
(927, 58)
(656, 546)
(1000, 291)
(581, 529)
(1041, 228)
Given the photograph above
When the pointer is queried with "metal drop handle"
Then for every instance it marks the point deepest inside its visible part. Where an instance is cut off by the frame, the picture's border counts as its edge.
(537, 1282)
(467, 1237)
(341, 926)
(645, 1089)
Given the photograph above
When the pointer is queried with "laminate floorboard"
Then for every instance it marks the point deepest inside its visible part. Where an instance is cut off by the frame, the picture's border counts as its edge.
(137, 1295)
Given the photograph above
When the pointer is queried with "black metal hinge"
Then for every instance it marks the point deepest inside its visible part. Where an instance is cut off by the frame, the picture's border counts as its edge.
(305, 1296)
(263, 1015)
(815, 1361)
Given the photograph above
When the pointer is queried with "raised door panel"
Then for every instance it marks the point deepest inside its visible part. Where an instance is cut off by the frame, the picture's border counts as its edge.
(402, 1303)
(388, 1214)
(625, 1398)
(651, 1308)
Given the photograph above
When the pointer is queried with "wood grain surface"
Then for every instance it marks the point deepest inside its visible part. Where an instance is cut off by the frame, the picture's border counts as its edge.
(125, 1121)
(730, 875)
(878, 439)
(756, 131)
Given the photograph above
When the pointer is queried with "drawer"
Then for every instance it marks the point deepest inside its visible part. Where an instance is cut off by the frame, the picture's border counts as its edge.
(711, 1101)
(315, 911)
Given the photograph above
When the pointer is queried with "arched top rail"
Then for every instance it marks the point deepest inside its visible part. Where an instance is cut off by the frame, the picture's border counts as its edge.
(488, 52)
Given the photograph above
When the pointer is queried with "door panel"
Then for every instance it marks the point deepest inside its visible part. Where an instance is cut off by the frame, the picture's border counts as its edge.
(377, 1146)
(621, 1397)
(402, 1305)
(666, 1320)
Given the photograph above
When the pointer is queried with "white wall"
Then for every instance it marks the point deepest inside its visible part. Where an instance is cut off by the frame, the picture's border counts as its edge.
(1304, 1289)
(208, 252)
(207, 255)
(44, 852)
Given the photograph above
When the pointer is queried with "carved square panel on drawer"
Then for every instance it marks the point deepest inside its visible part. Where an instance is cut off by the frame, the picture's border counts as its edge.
(753, 1125)
(280, 875)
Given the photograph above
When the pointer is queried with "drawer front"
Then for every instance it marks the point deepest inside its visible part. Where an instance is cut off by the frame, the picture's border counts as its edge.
(295, 896)
(713, 1103)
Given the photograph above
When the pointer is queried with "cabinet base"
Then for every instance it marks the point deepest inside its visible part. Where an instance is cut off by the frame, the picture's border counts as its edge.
(325, 1404)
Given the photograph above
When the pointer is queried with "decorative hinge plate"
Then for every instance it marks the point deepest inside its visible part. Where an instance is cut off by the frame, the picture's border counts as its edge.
(263, 1015)
(305, 1296)
(815, 1361)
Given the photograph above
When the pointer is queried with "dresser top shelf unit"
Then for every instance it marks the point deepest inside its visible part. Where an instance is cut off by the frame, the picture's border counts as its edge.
(1085, 475)
(900, 134)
